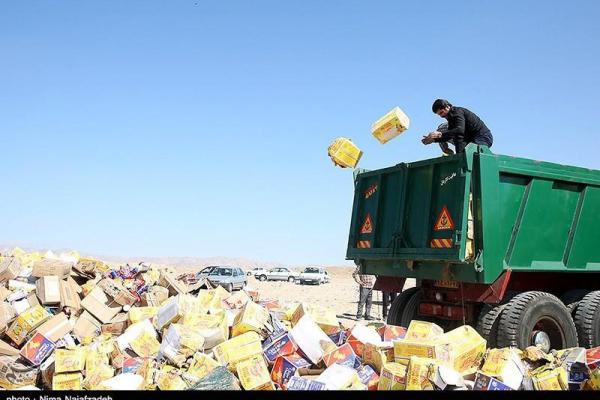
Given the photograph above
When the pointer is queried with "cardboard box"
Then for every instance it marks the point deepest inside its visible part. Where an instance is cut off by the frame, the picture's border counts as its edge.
(170, 282)
(4, 293)
(47, 267)
(155, 296)
(86, 326)
(343, 355)
(485, 382)
(117, 325)
(547, 378)
(213, 327)
(201, 365)
(69, 381)
(133, 332)
(360, 335)
(465, 349)
(9, 268)
(504, 365)
(69, 297)
(237, 301)
(420, 330)
(56, 327)
(446, 378)
(145, 345)
(94, 379)
(254, 374)
(7, 350)
(48, 289)
(179, 343)
(280, 346)
(37, 349)
(323, 317)
(96, 303)
(592, 357)
(311, 339)
(339, 377)
(252, 318)
(377, 355)
(26, 323)
(7, 314)
(418, 373)
(90, 266)
(118, 292)
(287, 366)
(237, 349)
(69, 360)
(137, 314)
(368, 377)
(574, 360)
(390, 333)
(298, 383)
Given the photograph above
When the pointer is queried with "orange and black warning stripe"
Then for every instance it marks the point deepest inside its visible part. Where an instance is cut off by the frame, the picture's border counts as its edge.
(441, 243)
(363, 244)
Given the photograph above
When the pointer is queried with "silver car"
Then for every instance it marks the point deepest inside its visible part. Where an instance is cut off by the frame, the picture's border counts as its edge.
(279, 274)
(230, 278)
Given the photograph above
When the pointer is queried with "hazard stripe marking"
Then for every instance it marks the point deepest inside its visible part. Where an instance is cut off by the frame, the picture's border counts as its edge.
(441, 243)
(364, 244)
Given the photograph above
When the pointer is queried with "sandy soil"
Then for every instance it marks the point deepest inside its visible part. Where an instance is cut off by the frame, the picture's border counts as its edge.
(340, 294)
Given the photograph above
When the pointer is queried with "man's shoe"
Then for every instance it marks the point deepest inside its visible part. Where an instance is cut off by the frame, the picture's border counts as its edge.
(369, 318)
(358, 316)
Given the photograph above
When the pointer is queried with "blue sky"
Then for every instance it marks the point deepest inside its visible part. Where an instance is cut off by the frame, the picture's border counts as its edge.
(197, 128)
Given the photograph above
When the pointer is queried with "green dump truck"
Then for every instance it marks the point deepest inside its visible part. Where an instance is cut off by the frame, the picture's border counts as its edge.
(508, 245)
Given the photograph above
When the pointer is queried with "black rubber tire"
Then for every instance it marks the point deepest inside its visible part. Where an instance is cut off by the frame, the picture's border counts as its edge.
(291, 279)
(587, 320)
(529, 310)
(262, 278)
(397, 307)
(230, 287)
(572, 298)
(410, 308)
(488, 321)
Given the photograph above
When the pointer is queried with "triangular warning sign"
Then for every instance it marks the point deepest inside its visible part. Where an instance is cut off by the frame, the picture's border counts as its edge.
(367, 226)
(444, 221)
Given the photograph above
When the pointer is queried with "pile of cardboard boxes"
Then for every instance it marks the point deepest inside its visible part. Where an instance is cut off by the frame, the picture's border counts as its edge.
(70, 323)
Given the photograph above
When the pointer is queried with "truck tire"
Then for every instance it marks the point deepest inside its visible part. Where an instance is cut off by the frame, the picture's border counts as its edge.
(572, 298)
(410, 309)
(397, 307)
(488, 321)
(587, 320)
(536, 318)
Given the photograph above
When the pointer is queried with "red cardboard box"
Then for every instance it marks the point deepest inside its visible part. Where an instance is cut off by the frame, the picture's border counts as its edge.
(391, 332)
(287, 366)
(342, 355)
(37, 349)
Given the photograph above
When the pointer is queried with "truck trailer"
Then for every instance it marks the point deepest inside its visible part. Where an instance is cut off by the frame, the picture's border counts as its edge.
(508, 245)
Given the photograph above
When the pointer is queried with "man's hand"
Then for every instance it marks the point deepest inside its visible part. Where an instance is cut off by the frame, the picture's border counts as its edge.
(431, 137)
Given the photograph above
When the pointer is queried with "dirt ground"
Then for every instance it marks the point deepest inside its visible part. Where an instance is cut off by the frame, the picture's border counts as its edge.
(340, 294)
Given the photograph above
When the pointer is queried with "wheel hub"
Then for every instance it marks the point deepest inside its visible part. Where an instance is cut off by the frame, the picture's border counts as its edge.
(542, 340)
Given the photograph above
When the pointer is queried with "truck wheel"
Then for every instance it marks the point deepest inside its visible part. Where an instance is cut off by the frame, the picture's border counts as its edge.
(487, 323)
(572, 298)
(489, 319)
(536, 318)
(410, 309)
(397, 307)
(587, 320)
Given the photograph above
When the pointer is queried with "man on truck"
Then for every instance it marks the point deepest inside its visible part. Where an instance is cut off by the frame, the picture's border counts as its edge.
(464, 127)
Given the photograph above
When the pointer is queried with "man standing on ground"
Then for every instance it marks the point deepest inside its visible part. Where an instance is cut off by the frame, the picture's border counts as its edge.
(366, 283)
(464, 127)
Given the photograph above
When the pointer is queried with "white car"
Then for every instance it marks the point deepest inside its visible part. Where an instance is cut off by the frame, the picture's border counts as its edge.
(279, 274)
(314, 275)
(255, 272)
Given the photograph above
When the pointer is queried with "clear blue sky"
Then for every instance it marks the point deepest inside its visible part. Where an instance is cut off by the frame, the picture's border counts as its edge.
(195, 128)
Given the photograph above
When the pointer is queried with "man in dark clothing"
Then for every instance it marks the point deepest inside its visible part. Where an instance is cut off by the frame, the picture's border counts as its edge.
(464, 127)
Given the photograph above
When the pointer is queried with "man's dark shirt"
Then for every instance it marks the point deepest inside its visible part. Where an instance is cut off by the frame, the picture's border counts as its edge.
(465, 127)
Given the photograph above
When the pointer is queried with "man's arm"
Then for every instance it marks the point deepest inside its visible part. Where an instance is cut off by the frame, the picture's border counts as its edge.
(458, 130)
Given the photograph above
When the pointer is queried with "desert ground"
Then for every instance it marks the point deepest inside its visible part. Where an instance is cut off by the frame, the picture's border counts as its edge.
(340, 294)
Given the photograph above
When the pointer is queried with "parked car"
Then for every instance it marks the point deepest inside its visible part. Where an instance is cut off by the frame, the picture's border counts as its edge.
(257, 271)
(230, 278)
(279, 274)
(314, 275)
(203, 273)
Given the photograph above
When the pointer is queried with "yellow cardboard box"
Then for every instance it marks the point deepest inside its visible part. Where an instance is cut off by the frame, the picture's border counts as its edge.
(27, 322)
(418, 372)
(101, 373)
(377, 355)
(325, 318)
(137, 314)
(254, 374)
(201, 365)
(145, 345)
(390, 125)
(238, 349)
(344, 153)
(252, 318)
(393, 377)
(465, 348)
(546, 378)
(421, 330)
(68, 381)
(69, 360)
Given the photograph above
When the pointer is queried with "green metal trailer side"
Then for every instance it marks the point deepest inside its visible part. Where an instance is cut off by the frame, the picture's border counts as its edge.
(535, 227)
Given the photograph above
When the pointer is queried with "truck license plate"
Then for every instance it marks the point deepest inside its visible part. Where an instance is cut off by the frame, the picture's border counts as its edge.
(446, 284)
